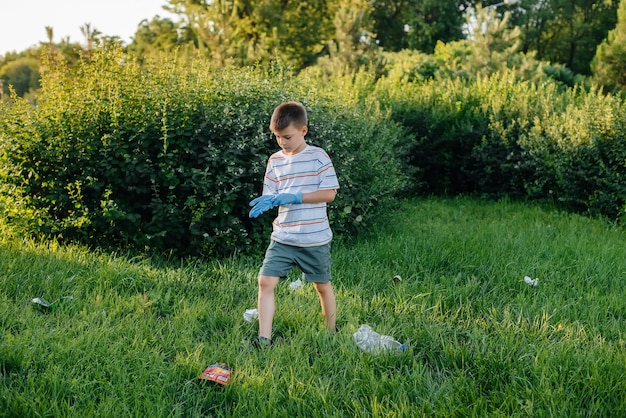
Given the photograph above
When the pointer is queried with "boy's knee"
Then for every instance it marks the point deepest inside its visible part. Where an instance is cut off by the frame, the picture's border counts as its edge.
(267, 282)
(323, 287)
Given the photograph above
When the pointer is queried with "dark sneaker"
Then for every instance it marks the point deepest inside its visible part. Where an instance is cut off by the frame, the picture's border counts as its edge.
(262, 342)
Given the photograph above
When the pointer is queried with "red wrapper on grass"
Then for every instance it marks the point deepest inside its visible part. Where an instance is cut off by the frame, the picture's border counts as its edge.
(218, 372)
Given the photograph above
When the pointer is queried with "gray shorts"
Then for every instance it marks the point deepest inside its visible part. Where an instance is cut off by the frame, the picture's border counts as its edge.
(313, 261)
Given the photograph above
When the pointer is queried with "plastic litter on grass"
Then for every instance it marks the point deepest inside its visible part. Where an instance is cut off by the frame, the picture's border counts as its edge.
(217, 372)
(251, 315)
(295, 284)
(531, 282)
(43, 304)
(370, 341)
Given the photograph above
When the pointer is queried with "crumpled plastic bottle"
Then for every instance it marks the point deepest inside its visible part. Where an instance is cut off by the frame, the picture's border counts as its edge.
(370, 341)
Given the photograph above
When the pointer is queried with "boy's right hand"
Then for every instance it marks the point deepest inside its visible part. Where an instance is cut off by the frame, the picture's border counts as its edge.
(261, 204)
(267, 202)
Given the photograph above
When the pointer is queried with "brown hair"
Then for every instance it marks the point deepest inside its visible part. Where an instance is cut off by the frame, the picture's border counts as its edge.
(287, 113)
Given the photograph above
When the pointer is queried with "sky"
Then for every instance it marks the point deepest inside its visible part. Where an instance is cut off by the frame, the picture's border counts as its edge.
(23, 22)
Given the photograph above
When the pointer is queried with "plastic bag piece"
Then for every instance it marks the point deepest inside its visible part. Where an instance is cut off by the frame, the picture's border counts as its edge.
(44, 305)
(295, 284)
(370, 341)
(250, 315)
(531, 282)
(217, 372)
(41, 303)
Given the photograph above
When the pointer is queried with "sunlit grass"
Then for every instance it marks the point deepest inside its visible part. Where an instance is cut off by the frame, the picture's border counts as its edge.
(136, 333)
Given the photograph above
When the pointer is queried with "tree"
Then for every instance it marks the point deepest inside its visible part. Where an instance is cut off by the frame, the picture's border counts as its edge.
(609, 64)
(158, 35)
(22, 74)
(494, 44)
(353, 45)
(250, 31)
(91, 37)
(418, 24)
(565, 31)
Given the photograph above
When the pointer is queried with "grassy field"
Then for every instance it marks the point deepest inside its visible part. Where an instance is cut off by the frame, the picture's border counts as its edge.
(128, 337)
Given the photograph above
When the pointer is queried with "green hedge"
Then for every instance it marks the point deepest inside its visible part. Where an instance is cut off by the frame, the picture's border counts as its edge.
(580, 145)
(166, 156)
(497, 136)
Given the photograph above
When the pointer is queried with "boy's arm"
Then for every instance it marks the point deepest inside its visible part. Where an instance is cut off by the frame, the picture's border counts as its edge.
(266, 202)
(319, 196)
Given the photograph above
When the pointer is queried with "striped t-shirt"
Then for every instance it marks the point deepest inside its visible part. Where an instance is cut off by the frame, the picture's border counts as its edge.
(311, 169)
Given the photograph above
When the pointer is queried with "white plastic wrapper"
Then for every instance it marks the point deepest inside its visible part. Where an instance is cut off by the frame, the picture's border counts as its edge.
(530, 281)
(251, 315)
(295, 285)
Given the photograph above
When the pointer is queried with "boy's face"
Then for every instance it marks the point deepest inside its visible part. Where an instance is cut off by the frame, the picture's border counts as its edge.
(291, 139)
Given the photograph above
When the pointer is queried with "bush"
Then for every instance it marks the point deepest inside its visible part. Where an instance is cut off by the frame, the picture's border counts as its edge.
(582, 146)
(497, 136)
(367, 147)
(166, 156)
(445, 122)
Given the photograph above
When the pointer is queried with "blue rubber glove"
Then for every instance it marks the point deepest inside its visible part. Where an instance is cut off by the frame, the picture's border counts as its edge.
(261, 204)
(264, 203)
(287, 199)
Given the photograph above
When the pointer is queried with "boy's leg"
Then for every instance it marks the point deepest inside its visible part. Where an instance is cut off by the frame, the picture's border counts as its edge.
(266, 305)
(329, 305)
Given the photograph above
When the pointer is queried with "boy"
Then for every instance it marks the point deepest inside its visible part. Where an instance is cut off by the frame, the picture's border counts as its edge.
(300, 179)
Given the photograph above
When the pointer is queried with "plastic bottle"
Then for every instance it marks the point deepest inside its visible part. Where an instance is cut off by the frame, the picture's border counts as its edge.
(370, 341)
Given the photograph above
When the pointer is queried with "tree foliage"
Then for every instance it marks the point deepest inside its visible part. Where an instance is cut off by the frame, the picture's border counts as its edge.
(159, 35)
(418, 24)
(22, 74)
(354, 45)
(492, 46)
(609, 65)
(346, 35)
(251, 31)
(493, 43)
(565, 31)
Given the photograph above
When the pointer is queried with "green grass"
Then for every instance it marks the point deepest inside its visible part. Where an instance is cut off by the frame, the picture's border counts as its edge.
(136, 333)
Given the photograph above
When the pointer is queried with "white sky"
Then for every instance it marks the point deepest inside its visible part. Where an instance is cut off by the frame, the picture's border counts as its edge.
(23, 22)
